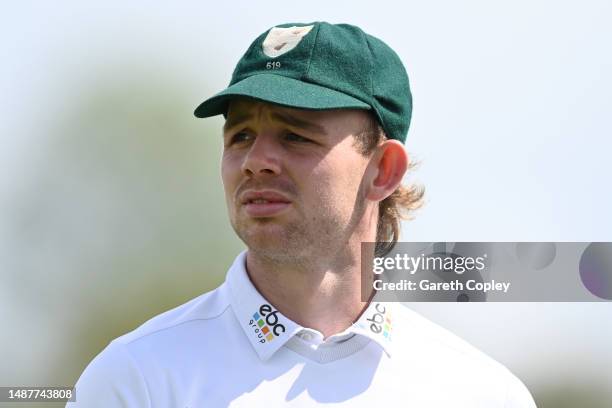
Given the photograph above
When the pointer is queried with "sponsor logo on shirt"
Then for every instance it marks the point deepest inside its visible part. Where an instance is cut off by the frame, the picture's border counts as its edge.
(265, 323)
(380, 321)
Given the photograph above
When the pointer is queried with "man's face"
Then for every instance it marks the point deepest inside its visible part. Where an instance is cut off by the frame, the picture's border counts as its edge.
(293, 178)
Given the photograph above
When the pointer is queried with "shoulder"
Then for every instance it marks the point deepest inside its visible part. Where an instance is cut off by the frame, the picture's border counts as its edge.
(448, 354)
(422, 332)
(111, 379)
(207, 307)
(437, 337)
(117, 376)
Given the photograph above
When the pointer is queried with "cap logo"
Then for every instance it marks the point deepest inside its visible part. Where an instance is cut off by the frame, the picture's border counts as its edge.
(283, 39)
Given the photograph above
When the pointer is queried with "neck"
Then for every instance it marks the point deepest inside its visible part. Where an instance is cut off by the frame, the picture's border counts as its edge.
(322, 293)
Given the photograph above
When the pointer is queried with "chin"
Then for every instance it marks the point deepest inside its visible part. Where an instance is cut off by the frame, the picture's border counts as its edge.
(274, 247)
(263, 236)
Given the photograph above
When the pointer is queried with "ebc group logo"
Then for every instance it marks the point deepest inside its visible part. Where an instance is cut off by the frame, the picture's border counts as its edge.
(380, 322)
(265, 323)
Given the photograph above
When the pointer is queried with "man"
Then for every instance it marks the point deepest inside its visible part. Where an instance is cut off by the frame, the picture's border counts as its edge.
(313, 159)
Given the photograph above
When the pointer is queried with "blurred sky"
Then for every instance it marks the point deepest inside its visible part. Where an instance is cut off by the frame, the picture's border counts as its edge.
(510, 124)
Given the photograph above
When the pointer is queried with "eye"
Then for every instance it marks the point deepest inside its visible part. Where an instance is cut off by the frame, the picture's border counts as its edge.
(239, 137)
(292, 137)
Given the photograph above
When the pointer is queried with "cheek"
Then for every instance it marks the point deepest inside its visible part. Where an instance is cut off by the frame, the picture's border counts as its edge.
(230, 172)
(349, 170)
(338, 180)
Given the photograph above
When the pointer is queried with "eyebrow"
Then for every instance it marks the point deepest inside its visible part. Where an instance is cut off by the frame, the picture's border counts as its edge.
(236, 120)
(279, 116)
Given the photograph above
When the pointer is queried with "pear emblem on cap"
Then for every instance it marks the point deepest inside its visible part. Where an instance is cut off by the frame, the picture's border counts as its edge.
(283, 39)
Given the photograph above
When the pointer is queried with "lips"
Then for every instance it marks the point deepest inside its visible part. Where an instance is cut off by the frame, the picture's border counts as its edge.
(264, 203)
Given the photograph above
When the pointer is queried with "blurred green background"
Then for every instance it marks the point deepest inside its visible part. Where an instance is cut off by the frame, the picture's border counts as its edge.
(111, 200)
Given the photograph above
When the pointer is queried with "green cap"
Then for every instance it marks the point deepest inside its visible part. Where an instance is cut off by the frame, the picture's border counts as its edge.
(321, 66)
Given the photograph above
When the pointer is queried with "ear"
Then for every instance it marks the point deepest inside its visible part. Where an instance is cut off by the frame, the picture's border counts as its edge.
(389, 165)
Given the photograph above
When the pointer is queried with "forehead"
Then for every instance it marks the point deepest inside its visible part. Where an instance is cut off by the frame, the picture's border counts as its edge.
(322, 121)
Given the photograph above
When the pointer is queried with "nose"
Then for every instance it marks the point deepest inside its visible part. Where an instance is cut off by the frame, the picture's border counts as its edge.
(262, 157)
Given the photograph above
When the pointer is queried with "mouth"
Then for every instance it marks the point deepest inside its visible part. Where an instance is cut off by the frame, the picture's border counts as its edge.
(264, 201)
(259, 204)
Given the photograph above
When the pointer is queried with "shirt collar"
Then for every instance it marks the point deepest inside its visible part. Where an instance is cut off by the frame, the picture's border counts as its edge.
(376, 323)
(268, 329)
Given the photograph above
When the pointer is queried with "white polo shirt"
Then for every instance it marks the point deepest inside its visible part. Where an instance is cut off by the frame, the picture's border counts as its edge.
(231, 347)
